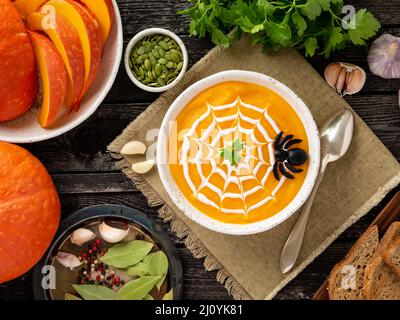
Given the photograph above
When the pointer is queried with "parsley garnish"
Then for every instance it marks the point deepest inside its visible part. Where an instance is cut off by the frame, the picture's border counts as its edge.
(314, 26)
(233, 152)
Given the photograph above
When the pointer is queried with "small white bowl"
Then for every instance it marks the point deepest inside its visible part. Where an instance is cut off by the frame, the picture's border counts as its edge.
(26, 128)
(150, 32)
(180, 200)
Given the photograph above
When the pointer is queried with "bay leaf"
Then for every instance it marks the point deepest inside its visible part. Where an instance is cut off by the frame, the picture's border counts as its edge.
(139, 270)
(157, 265)
(137, 289)
(123, 255)
(148, 297)
(169, 295)
(94, 292)
(70, 296)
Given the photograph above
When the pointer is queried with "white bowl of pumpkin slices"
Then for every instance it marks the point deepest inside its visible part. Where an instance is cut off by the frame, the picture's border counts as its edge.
(59, 60)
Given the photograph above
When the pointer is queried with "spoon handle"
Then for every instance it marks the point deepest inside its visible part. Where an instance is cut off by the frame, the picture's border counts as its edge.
(292, 247)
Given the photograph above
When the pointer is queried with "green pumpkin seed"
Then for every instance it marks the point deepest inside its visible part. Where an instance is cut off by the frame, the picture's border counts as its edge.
(161, 51)
(163, 45)
(147, 64)
(171, 65)
(162, 61)
(144, 56)
(168, 56)
(175, 56)
(179, 66)
(141, 50)
(153, 61)
(155, 53)
(161, 81)
(158, 69)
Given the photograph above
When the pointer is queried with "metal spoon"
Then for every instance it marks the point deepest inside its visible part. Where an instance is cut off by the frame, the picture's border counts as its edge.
(336, 135)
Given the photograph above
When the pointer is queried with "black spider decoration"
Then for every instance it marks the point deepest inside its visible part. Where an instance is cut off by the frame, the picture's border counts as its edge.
(287, 159)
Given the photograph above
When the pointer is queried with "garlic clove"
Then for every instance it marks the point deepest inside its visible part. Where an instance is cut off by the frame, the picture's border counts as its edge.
(143, 167)
(331, 73)
(384, 57)
(345, 78)
(81, 236)
(356, 81)
(134, 147)
(112, 235)
(68, 260)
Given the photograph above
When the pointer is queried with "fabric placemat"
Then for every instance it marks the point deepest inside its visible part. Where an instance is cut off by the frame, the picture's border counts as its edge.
(249, 265)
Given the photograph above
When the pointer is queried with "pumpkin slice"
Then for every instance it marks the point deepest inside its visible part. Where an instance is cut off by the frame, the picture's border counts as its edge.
(18, 79)
(54, 79)
(29, 211)
(66, 40)
(89, 33)
(95, 42)
(104, 12)
(26, 7)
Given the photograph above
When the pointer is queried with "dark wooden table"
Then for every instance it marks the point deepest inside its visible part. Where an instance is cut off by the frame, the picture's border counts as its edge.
(85, 174)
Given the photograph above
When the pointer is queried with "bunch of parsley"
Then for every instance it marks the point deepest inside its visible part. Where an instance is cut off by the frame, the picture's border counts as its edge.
(313, 25)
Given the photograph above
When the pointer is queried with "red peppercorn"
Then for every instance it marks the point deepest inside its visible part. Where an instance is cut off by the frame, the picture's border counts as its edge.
(83, 281)
(84, 254)
(88, 276)
(90, 251)
(98, 278)
(117, 279)
(112, 276)
(98, 241)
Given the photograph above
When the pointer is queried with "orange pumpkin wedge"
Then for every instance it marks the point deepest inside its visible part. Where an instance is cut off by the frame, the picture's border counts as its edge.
(18, 79)
(95, 42)
(68, 44)
(104, 12)
(26, 7)
(54, 79)
(89, 33)
(29, 211)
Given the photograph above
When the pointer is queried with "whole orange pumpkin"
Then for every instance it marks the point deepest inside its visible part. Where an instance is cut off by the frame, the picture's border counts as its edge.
(29, 211)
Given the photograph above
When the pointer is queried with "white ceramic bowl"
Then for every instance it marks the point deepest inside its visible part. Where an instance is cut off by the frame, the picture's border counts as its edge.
(150, 32)
(314, 153)
(26, 129)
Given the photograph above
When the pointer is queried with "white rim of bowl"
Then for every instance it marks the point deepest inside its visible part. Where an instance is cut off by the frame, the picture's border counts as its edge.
(150, 32)
(100, 98)
(314, 155)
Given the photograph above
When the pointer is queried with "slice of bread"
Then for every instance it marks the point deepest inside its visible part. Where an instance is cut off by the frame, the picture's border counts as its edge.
(391, 256)
(346, 280)
(380, 283)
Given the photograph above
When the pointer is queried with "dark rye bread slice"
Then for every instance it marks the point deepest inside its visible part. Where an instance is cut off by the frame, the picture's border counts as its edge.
(391, 256)
(380, 283)
(343, 285)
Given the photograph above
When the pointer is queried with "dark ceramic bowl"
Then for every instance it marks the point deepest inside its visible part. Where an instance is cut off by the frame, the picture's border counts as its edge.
(97, 213)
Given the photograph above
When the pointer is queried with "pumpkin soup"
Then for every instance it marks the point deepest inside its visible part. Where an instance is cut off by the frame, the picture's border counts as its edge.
(238, 152)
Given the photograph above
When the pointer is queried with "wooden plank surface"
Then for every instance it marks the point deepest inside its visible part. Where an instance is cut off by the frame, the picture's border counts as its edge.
(86, 175)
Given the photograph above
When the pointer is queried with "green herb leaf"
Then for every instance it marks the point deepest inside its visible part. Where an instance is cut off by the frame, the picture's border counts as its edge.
(169, 295)
(232, 152)
(311, 45)
(94, 292)
(148, 297)
(138, 270)
(366, 26)
(313, 25)
(137, 289)
(299, 22)
(158, 266)
(69, 296)
(124, 255)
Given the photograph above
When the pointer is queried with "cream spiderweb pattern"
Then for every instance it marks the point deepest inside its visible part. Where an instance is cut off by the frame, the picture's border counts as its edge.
(219, 125)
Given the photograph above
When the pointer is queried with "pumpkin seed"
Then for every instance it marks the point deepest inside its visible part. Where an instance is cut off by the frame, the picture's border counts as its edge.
(155, 53)
(141, 50)
(162, 61)
(163, 45)
(153, 61)
(147, 64)
(158, 69)
(171, 65)
(161, 81)
(179, 66)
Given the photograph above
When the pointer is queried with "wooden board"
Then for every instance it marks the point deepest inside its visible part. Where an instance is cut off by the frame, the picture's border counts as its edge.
(389, 214)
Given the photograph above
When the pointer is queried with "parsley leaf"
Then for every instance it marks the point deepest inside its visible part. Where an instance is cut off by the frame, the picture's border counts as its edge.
(232, 152)
(315, 26)
(365, 28)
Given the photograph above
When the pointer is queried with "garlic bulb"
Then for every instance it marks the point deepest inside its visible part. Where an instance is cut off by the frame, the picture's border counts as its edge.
(81, 235)
(134, 147)
(384, 57)
(143, 167)
(68, 260)
(345, 78)
(112, 235)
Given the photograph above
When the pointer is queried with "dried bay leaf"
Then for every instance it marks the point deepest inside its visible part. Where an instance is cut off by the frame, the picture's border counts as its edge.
(123, 255)
(158, 266)
(139, 270)
(94, 292)
(137, 289)
(69, 296)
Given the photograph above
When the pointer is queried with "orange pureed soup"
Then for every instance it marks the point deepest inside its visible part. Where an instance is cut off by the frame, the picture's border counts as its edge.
(222, 152)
